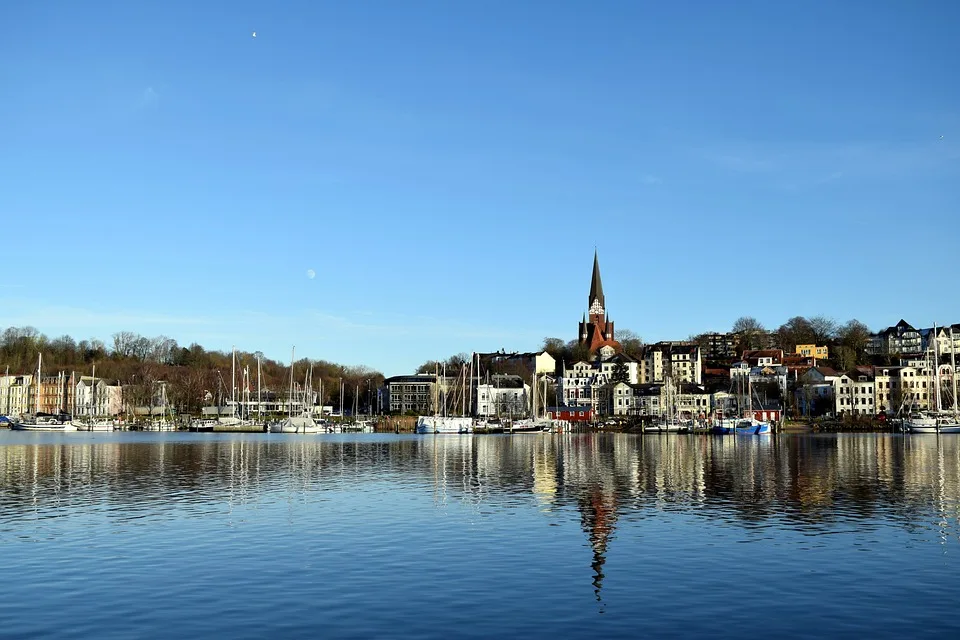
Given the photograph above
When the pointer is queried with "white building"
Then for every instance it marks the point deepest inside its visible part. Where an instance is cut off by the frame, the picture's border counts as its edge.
(688, 400)
(503, 396)
(17, 395)
(855, 394)
(681, 361)
(97, 397)
(581, 384)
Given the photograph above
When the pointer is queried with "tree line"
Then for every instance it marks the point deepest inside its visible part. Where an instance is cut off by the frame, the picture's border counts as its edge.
(193, 375)
(847, 341)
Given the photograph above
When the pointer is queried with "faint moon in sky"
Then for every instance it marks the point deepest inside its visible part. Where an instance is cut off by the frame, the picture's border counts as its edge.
(311, 274)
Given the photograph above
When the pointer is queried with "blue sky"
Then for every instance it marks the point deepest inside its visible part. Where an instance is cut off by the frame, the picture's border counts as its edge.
(448, 168)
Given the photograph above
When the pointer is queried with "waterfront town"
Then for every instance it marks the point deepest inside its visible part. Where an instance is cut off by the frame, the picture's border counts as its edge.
(806, 369)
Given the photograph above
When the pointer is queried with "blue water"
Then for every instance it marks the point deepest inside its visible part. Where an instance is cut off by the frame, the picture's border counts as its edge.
(247, 536)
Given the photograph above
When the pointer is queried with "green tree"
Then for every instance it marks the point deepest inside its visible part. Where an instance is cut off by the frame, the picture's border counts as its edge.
(620, 373)
(578, 352)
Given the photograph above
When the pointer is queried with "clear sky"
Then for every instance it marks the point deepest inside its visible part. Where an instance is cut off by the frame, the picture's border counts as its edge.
(446, 169)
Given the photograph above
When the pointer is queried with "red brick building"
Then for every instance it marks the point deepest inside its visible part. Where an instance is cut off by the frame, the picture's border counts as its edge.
(595, 330)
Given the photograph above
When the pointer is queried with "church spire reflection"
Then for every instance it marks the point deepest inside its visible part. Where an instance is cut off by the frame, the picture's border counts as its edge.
(598, 518)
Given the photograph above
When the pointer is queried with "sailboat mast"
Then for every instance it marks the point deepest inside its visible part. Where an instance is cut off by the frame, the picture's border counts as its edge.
(259, 391)
(293, 351)
(936, 367)
(472, 357)
(39, 371)
(93, 391)
(533, 396)
(233, 382)
(953, 369)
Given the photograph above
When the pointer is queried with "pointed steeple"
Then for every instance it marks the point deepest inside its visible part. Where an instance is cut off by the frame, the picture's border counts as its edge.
(596, 286)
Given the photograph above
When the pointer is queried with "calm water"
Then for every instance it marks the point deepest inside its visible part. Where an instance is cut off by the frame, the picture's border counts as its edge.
(177, 535)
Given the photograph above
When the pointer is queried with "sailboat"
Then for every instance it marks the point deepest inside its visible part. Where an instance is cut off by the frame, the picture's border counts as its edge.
(536, 423)
(668, 423)
(939, 422)
(236, 419)
(39, 422)
(746, 425)
(166, 421)
(303, 423)
(445, 424)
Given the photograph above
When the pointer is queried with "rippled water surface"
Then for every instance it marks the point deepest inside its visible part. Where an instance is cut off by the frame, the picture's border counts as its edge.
(186, 535)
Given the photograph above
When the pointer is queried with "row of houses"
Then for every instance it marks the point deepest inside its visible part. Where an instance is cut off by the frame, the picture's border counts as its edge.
(872, 390)
(899, 339)
(61, 393)
(904, 339)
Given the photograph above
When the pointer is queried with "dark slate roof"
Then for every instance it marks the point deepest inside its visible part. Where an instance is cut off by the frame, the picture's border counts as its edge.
(415, 378)
(596, 286)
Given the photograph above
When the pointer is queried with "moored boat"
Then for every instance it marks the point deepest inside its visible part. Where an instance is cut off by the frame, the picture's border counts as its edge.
(94, 425)
(926, 423)
(296, 424)
(742, 427)
(444, 424)
(665, 426)
(44, 423)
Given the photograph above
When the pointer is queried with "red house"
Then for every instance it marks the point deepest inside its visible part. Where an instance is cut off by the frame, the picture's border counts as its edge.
(571, 414)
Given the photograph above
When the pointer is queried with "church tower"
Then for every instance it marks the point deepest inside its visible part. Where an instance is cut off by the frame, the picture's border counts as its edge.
(595, 330)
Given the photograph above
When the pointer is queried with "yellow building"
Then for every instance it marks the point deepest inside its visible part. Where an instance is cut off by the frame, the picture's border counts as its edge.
(813, 351)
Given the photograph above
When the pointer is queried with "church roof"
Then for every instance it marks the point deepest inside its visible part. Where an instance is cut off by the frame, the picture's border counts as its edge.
(596, 286)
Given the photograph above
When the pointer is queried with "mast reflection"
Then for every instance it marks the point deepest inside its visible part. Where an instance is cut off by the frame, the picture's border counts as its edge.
(811, 482)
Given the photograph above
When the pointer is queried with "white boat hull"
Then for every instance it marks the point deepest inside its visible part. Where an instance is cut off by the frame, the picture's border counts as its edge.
(926, 428)
(30, 426)
(531, 426)
(444, 424)
(94, 426)
(296, 425)
(159, 427)
(666, 427)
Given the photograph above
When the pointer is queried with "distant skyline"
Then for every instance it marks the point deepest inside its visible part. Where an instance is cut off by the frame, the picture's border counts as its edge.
(385, 183)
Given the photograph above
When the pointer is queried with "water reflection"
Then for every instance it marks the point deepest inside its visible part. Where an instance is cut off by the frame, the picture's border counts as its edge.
(811, 484)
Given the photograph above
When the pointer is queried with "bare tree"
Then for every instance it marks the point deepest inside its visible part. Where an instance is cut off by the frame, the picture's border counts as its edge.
(161, 349)
(796, 330)
(854, 335)
(123, 342)
(751, 333)
(631, 342)
(824, 329)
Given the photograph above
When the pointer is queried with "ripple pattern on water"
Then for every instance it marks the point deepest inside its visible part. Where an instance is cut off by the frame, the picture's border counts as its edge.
(144, 535)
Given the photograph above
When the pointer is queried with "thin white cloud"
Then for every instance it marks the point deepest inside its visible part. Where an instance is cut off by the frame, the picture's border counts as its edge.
(809, 164)
(38, 314)
(149, 97)
(400, 325)
(649, 178)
